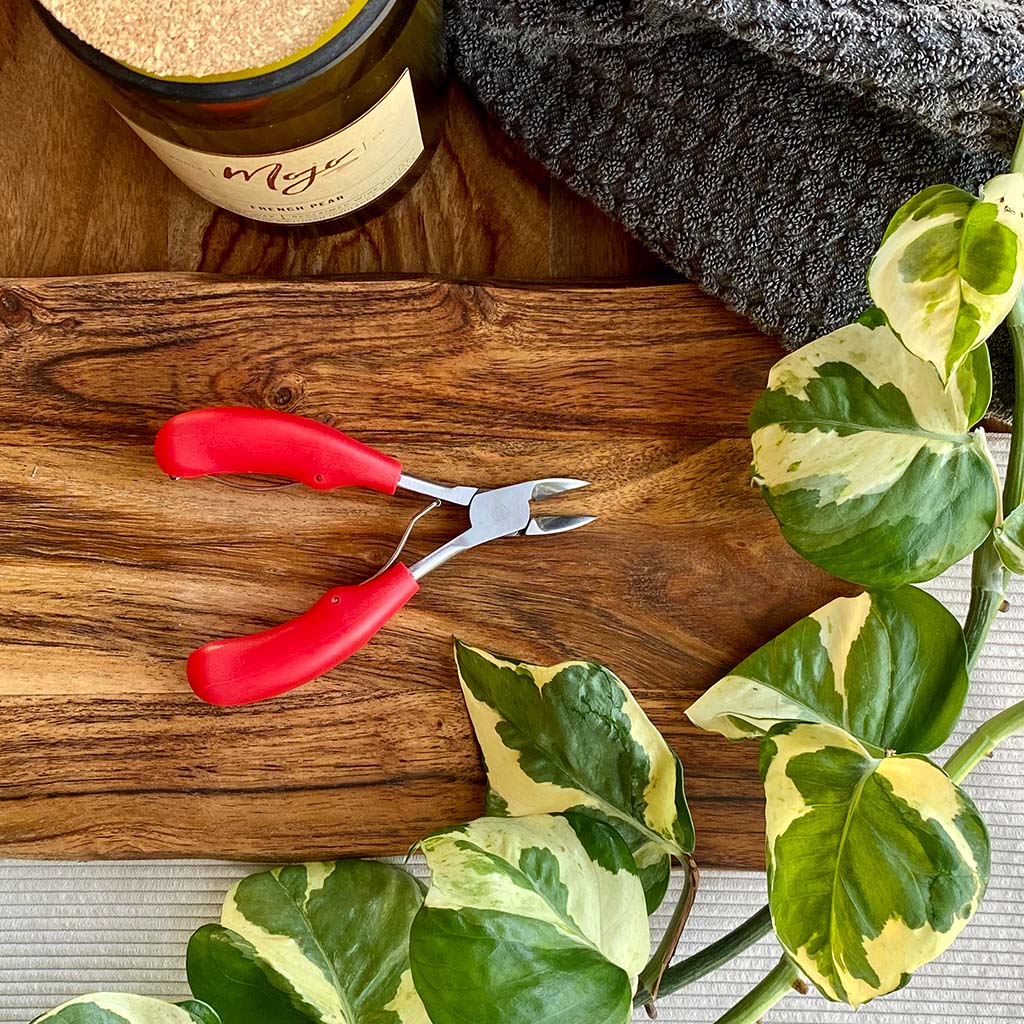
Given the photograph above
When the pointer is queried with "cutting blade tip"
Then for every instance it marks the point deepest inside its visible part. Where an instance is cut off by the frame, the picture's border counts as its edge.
(556, 485)
(543, 525)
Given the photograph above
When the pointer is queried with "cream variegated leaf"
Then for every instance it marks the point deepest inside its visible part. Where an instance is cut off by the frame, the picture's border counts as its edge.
(868, 461)
(875, 863)
(571, 736)
(949, 268)
(1009, 540)
(322, 943)
(889, 667)
(529, 920)
(120, 1008)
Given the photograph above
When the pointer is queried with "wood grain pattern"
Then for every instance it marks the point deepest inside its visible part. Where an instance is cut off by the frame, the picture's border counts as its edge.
(84, 196)
(587, 243)
(114, 573)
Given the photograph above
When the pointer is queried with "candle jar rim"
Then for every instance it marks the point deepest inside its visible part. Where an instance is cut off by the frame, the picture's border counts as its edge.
(231, 90)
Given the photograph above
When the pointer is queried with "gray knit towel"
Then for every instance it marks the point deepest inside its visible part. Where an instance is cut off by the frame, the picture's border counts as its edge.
(759, 146)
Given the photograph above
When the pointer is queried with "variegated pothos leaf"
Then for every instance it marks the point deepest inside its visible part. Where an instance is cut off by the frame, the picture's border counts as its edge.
(867, 460)
(875, 864)
(572, 737)
(119, 1008)
(312, 944)
(1009, 540)
(949, 268)
(889, 667)
(530, 920)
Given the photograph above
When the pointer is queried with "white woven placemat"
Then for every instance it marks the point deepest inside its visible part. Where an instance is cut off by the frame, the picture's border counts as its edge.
(69, 928)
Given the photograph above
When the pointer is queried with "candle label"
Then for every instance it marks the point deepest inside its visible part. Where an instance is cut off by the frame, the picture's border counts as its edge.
(326, 179)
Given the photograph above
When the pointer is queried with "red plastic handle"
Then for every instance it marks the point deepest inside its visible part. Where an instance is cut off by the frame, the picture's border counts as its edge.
(251, 668)
(242, 440)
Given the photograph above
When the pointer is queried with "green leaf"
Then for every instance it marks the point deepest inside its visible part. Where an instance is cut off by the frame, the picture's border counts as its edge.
(1009, 540)
(889, 667)
(323, 943)
(875, 864)
(867, 460)
(571, 737)
(950, 267)
(528, 921)
(118, 1008)
(650, 856)
(200, 1012)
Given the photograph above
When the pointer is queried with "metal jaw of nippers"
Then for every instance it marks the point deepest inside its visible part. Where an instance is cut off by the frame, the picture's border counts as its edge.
(231, 442)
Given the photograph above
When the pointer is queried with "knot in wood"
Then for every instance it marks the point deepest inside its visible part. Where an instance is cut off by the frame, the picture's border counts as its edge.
(12, 309)
(285, 393)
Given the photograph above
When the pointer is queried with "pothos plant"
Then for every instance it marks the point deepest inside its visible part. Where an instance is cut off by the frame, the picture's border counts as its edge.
(877, 858)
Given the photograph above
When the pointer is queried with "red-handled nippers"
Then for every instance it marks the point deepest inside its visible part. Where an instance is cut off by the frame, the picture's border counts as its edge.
(226, 442)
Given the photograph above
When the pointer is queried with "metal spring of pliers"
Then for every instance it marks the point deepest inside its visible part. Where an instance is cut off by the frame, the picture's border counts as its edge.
(228, 443)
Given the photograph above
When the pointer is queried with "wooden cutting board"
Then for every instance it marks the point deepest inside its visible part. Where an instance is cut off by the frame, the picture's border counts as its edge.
(112, 573)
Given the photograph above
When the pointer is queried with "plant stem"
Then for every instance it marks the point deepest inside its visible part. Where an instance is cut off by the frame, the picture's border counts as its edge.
(988, 577)
(988, 586)
(984, 740)
(772, 989)
(1014, 487)
(651, 975)
(712, 957)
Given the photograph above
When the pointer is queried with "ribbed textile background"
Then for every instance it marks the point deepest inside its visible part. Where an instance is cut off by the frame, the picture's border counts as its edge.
(68, 928)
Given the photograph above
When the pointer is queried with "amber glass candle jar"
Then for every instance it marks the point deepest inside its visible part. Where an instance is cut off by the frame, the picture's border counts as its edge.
(332, 134)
